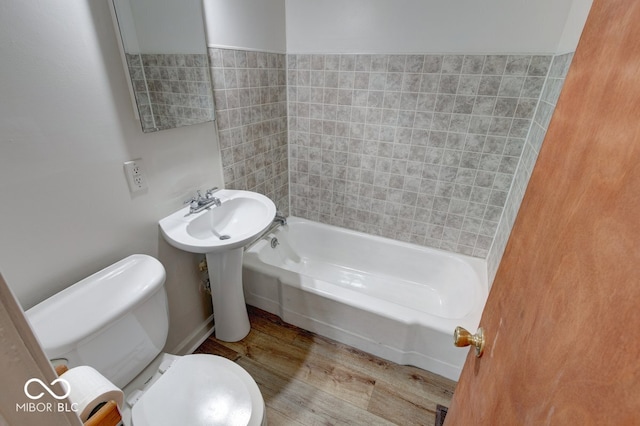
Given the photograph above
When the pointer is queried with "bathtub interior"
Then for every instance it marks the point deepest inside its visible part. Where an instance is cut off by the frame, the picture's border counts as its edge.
(395, 300)
(426, 280)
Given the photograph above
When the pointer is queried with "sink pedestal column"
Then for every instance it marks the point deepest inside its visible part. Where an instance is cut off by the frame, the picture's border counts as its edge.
(229, 309)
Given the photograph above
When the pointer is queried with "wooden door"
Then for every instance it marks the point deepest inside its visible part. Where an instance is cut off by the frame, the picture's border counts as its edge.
(562, 322)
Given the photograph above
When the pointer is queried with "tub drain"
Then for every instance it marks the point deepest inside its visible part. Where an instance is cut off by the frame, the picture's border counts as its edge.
(225, 237)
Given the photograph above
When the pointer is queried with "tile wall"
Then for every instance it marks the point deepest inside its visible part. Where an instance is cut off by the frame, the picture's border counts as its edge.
(551, 92)
(171, 90)
(419, 148)
(251, 111)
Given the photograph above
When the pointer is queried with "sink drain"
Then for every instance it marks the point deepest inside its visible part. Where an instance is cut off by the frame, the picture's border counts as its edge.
(225, 237)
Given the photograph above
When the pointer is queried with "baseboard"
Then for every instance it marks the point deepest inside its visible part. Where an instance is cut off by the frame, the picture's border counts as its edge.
(195, 339)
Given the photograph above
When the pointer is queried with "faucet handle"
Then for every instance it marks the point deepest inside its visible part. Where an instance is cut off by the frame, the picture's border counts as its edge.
(193, 203)
(211, 191)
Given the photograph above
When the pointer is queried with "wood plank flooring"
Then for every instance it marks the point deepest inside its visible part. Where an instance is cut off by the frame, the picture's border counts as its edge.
(307, 379)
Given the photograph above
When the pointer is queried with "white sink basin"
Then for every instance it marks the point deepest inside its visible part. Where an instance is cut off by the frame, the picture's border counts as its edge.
(241, 217)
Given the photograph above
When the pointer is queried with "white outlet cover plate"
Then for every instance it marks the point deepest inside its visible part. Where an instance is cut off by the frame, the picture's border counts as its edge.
(136, 178)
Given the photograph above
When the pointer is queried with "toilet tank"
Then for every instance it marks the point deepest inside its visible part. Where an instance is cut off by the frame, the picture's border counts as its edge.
(115, 321)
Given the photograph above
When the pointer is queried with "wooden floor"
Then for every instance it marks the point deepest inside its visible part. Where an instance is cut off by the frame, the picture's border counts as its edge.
(307, 379)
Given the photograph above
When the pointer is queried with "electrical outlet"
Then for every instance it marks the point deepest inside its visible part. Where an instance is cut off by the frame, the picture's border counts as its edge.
(135, 175)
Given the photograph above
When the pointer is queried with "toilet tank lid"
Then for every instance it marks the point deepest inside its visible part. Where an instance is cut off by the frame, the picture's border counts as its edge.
(88, 305)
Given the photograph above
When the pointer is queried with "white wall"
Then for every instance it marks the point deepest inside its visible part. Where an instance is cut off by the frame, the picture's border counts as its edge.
(573, 27)
(66, 127)
(396, 26)
(425, 26)
(246, 24)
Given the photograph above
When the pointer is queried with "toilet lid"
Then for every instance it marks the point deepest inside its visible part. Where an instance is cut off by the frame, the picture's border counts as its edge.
(201, 390)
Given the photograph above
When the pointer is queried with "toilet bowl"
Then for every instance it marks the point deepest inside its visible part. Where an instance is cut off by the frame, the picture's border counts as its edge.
(195, 390)
(117, 322)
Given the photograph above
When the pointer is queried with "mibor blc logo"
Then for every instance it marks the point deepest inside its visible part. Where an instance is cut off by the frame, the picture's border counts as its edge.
(30, 391)
(63, 382)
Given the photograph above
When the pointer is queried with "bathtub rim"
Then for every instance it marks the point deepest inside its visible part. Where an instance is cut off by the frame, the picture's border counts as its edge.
(479, 265)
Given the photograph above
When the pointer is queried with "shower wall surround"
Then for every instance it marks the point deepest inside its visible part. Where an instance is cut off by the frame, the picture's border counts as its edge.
(251, 112)
(419, 148)
(546, 106)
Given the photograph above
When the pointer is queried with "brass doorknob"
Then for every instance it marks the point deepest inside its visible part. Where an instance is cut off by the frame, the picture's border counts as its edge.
(462, 338)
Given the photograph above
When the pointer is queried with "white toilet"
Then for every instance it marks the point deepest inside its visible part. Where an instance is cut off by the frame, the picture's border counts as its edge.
(117, 321)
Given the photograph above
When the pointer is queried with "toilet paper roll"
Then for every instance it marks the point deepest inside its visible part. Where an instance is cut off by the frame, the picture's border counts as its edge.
(88, 389)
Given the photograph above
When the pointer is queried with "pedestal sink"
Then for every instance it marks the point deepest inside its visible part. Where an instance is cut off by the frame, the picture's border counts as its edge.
(221, 233)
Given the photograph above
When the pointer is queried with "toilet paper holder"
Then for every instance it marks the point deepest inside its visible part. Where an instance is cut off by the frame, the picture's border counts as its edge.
(107, 415)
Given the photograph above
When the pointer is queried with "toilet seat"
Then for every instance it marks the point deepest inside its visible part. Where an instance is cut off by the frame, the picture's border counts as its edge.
(201, 390)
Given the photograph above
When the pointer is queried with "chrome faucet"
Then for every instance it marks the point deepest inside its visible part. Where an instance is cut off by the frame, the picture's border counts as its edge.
(280, 218)
(210, 198)
(199, 203)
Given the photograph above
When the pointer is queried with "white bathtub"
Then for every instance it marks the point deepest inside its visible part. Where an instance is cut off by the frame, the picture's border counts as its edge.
(395, 300)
